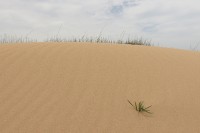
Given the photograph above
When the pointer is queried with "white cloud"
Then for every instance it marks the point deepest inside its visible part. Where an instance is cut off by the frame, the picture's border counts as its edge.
(172, 23)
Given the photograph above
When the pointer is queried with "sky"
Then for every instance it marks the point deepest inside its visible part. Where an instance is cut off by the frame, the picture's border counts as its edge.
(166, 23)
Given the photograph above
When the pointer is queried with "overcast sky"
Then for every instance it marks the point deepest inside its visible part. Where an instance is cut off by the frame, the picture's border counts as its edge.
(167, 23)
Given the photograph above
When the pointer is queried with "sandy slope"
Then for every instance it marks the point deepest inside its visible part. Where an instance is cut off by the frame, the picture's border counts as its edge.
(83, 88)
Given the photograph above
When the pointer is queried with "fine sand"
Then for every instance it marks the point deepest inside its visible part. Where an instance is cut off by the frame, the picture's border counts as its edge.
(84, 88)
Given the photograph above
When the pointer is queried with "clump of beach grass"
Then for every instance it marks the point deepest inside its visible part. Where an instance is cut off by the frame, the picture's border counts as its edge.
(140, 107)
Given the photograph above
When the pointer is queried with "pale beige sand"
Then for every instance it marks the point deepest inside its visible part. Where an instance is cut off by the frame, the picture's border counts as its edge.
(83, 88)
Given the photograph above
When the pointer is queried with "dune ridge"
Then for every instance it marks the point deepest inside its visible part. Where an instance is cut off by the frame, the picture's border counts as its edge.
(84, 88)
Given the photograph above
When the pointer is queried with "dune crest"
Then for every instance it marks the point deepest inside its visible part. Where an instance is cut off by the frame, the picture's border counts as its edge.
(84, 88)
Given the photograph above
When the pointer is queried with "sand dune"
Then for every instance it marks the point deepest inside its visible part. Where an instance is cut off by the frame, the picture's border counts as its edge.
(83, 88)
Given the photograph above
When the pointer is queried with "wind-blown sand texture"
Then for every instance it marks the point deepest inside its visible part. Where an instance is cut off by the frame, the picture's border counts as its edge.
(84, 88)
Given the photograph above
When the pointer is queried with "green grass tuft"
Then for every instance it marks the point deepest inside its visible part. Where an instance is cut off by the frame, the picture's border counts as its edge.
(140, 107)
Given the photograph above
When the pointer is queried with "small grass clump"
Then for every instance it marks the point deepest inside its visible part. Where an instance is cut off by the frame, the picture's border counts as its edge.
(140, 107)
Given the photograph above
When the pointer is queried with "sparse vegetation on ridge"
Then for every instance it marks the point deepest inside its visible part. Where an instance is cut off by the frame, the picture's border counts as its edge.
(99, 39)
(14, 39)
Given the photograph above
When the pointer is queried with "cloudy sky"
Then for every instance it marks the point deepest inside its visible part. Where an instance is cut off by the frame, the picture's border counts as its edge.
(167, 23)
